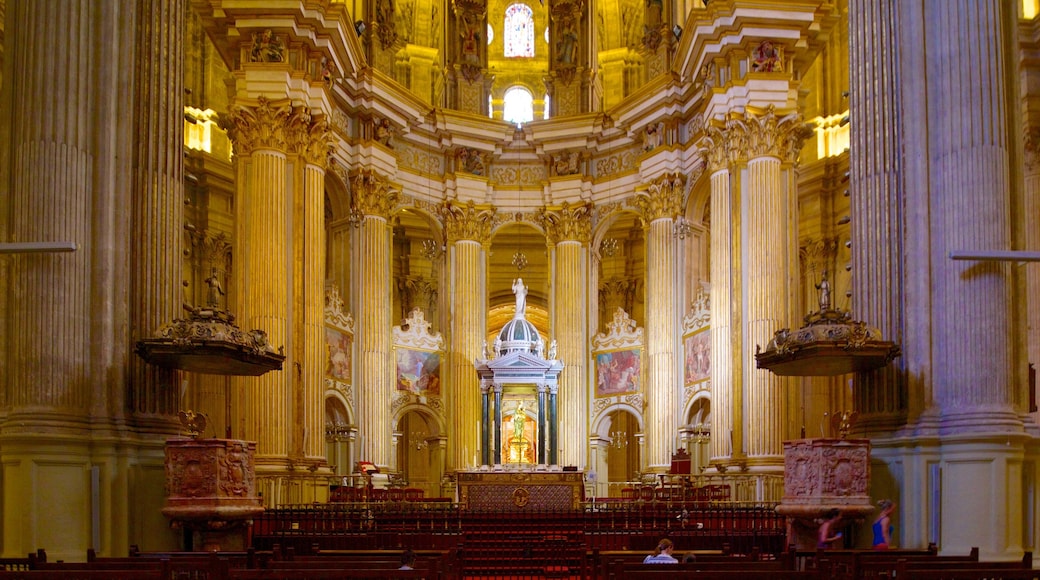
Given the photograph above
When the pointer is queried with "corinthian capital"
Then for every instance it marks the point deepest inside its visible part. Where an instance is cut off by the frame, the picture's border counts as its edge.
(310, 137)
(714, 146)
(373, 194)
(772, 136)
(466, 221)
(265, 126)
(663, 198)
(568, 223)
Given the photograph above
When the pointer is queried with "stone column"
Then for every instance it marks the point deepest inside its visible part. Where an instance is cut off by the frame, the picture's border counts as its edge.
(726, 368)
(659, 207)
(262, 406)
(769, 242)
(570, 231)
(1032, 208)
(878, 189)
(313, 142)
(542, 458)
(498, 424)
(374, 198)
(486, 446)
(467, 229)
(158, 200)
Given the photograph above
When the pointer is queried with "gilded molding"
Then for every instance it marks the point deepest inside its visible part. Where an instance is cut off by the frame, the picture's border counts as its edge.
(466, 222)
(567, 223)
(264, 126)
(663, 198)
(372, 193)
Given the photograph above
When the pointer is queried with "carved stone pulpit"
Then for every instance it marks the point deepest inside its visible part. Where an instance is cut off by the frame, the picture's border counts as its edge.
(211, 490)
(821, 475)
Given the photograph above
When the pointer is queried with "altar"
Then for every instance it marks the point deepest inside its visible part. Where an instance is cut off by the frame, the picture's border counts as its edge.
(513, 491)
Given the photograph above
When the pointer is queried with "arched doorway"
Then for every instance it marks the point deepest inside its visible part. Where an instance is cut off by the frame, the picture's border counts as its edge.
(420, 452)
(623, 457)
(339, 434)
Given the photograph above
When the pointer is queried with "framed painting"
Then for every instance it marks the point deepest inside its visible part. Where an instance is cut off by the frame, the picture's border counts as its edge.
(340, 345)
(419, 371)
(697, 356)
(618, 372)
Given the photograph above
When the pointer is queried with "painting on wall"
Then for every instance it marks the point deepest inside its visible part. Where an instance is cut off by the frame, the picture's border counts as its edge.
(618, 372)
(419, 371)
(697, 356)
(339, 348)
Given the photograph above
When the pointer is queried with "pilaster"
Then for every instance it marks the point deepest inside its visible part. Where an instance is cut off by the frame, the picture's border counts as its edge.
(570, 230)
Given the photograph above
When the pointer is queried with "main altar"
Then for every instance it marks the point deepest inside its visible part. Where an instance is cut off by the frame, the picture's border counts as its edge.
(518, 386)
(520, 490)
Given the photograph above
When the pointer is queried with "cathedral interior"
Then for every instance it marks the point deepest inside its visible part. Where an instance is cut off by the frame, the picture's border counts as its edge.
(650, 192)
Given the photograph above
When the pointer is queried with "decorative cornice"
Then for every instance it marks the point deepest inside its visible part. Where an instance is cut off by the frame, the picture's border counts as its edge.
(663, 198)
(466, 222)
(264, 126)
(567, 223)
(372, 194)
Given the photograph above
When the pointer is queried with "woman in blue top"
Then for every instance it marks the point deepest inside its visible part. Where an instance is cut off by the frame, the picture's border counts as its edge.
(883, 527)
(663, 554)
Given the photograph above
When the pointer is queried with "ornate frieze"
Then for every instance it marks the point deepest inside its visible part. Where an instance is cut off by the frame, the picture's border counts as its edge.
(466, 221)
(264, 126)
(567, 223)
(373, 194)
(663, 198)
(523, 175)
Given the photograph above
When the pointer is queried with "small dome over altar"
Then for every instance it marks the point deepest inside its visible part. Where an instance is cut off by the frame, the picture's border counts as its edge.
(518, 335)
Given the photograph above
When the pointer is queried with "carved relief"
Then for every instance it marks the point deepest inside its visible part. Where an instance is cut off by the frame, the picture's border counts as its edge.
(566, 162)
(471, 160)
(267, 47)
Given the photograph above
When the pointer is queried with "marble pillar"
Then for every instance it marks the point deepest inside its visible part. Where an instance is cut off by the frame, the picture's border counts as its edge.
(660, 206)
(375, 199)
(570, 231)
(467, 229)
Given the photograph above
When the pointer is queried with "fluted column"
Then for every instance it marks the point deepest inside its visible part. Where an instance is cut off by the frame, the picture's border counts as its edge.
(769, 241)
(879, 192)
(158, 200)
(570, 231)
(374, 198)
(51, 195)
(659, 207)
(313, 141)
(975, 380)
(725, 369)
(467, 228)
(262, 269)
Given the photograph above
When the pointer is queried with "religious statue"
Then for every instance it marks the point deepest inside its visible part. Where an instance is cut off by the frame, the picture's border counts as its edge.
(521, 296)
(266, 48)
(825, 293)
(519, 418)
(215, 290)
(552, 350)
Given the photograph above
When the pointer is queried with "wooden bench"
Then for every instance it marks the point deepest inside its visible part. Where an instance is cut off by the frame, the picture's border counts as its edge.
(84, 574)
(678, 571)
(323, 574)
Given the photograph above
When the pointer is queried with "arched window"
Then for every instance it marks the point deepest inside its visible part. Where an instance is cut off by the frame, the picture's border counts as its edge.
(518, 106)
(518, 32)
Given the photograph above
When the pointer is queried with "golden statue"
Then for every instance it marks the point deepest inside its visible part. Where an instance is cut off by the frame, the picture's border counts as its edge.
(519, 418)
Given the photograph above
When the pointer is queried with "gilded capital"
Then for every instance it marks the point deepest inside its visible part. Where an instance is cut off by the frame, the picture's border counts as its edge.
(310, 138)
(466, 221)
(772, 136)
(663, 198)
(714, 146)
(567, 223)
(265, 126)
(373, 194)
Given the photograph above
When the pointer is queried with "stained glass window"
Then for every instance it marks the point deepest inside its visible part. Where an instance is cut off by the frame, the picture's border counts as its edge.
(518, 32)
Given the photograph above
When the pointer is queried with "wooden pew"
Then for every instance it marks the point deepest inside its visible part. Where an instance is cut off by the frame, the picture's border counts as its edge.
(323, 574)
(976, 574)
(84, 574)
(677, 572)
